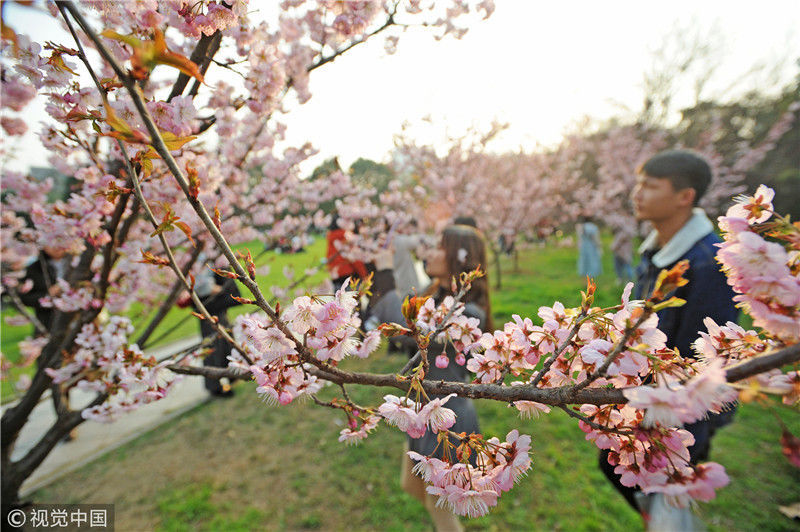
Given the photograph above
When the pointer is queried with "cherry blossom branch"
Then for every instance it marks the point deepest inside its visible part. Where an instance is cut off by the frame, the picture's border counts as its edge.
(563, 395)
(228, 66)
(549, 396)
(231, 372)
(324, 60)
(420, 352)
(183, 353)
(549, 362)
(591, 423)
(81, 52)
(615, 353)
(349, 404)
(20, 307)
(763, 363)
(169, 301)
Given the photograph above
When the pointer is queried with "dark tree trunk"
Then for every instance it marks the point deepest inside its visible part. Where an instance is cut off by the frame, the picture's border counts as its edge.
(497, 270)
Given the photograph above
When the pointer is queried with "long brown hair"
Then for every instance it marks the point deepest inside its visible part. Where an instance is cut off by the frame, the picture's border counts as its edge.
(465, 250)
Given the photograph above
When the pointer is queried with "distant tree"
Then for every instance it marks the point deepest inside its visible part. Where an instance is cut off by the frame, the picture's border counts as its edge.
(368, 173)
(750, 120)
(61, 183)
(327, 167)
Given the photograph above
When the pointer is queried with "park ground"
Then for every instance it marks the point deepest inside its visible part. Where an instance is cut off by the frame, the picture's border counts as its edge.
(241, 464)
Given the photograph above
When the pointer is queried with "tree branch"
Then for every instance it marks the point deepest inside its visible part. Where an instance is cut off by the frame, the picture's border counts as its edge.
(549, 362)
(202, 55)
(591, 423)
(763, 363)
(167, 304)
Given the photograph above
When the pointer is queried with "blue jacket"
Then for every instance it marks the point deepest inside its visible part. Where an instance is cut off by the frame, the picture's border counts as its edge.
(707, 294)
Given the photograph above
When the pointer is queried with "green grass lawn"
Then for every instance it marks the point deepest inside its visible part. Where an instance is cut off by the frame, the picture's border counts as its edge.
(240, 464)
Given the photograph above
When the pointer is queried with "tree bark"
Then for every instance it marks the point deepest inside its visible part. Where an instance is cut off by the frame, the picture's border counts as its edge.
(497, 271)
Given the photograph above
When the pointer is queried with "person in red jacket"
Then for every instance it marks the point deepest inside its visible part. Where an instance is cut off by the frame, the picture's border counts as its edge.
(339, 267)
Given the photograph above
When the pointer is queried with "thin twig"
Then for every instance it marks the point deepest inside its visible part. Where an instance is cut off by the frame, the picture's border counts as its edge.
(615, 353)
(20, 306)
(591, 423)
(549, 362)
(424, 352)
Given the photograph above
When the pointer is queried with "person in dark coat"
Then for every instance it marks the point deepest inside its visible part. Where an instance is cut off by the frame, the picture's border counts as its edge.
(462, 249)
(43, 274)
(216, 294)
(668, 188)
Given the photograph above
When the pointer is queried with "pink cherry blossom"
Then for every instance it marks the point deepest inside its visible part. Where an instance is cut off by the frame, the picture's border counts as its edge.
(662, 404)
(466, 502)
(755, 209)
(436, 415)
(16, 94)
(301, 314)
(709, 476)
(13, 126)
(399, 412)
(369, 344)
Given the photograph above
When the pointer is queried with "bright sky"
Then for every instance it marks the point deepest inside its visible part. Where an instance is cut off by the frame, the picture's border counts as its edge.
(539, 66)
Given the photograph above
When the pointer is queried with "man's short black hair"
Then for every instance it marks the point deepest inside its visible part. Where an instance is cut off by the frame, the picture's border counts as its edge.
(465, 220)
(684, 169)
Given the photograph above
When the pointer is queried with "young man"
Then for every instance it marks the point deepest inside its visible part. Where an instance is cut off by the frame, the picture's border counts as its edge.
(668, 189)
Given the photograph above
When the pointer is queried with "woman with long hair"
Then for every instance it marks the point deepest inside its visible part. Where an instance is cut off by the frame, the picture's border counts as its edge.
(462, 249)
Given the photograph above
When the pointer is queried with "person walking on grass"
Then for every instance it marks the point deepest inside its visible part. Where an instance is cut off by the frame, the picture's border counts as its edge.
(590, 249)
(668, 189)
(462, 249)
(622, 248)
(217, 294)
(339, 267)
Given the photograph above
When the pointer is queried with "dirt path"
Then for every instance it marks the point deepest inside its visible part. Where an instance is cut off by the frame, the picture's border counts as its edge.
(94, 439)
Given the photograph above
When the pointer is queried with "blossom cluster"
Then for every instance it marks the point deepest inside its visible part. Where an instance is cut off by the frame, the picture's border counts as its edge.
(470, 490)
(414, 419)
(103, 361)
(19, 240)
(672, 403)
(193, 19)
(354, 432)
(70, 299)
(329, 329)
(655, 459)
(69, 225)
(573, 357)
(620, 347)
(32, 72)
(461, 331)
(764, 273)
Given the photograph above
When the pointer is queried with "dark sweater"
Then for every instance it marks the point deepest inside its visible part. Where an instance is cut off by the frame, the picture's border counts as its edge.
(386, 307)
